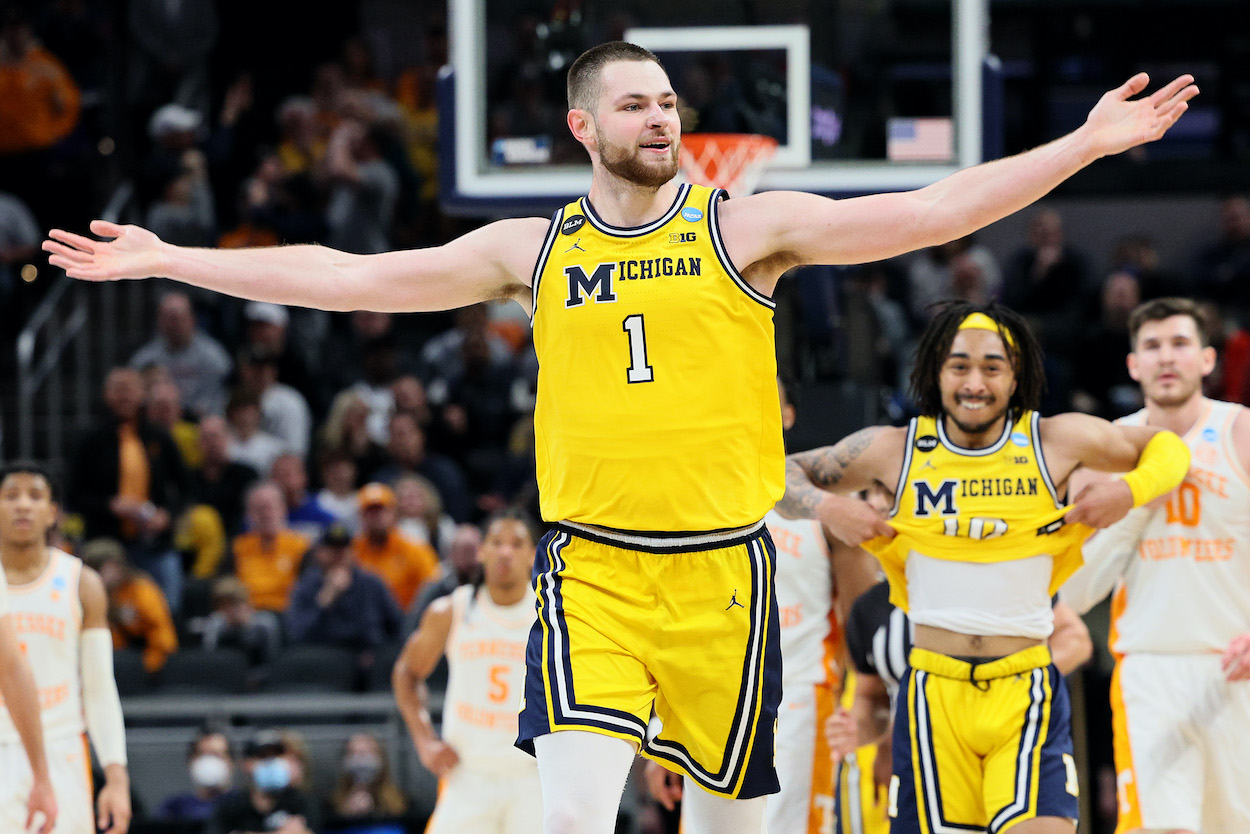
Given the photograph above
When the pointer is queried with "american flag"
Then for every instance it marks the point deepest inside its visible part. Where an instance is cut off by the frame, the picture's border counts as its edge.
(931, 140)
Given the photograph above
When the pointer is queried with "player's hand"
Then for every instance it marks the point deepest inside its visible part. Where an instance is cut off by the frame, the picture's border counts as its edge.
(663, 785)
(1236, 660)
(133, 252)
(113, 807)
(841, 734)
(1101, 504)
(883, 766)
(437, 757)
(42, 800)
(851, 520)
(1117, 123)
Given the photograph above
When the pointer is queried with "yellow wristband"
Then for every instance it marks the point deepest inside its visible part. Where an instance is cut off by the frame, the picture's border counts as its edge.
(1160, 468)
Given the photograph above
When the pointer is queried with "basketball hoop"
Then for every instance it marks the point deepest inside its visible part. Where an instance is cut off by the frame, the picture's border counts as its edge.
(732, 161)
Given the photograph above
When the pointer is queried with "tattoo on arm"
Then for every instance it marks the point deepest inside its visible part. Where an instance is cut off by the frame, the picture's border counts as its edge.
(810, 474)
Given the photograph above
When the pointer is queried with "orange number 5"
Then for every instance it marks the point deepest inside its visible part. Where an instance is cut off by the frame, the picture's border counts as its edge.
(498, 692)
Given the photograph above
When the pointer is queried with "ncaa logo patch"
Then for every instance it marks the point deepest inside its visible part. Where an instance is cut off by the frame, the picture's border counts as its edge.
(1209, 435)
(571, 225)
(691, 214)
(59, 583)
(927, 443)
(1019, 438)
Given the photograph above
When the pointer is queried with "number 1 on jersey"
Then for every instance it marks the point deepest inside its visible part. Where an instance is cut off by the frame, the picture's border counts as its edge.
(639, 370)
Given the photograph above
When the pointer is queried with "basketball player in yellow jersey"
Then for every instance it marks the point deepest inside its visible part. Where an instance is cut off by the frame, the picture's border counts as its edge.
(1181, 575)
(19, 696)
(60, 612)
(659, 442)
(979, 539)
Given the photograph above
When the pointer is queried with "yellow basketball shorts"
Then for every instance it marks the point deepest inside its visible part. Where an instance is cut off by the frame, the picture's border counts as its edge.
(981, 746)
(859, 808)
(683, 629)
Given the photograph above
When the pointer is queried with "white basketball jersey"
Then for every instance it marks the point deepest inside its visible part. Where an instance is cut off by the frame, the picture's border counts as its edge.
(48, 618)
(485, 680)
(1188, 588)
(804, 585)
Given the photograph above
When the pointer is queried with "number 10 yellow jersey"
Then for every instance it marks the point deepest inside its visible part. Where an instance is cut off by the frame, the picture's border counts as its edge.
(657, 403)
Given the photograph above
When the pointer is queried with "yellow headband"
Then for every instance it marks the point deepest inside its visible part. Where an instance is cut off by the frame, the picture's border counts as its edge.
(980, 321)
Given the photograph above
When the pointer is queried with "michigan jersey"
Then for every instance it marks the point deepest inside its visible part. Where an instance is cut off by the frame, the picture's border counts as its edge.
(994, 504)
(47, 617)
(657, 400)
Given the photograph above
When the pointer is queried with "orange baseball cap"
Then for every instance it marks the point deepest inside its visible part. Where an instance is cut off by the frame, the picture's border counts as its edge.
(375, 495)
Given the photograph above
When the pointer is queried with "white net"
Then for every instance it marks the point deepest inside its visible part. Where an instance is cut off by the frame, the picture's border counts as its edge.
(732, 161)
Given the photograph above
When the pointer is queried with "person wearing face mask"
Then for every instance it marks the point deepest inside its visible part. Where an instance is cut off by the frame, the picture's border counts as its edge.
(269, 802)
(210, 765)
(365, 791)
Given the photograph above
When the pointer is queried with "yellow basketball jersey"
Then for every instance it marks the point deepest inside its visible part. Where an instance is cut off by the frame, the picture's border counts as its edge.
(993, 504)
(657, 400)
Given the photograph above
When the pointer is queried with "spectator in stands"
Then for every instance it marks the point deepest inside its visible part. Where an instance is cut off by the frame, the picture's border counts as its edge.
(249, 443)
(163, 408)
(344, 352)
(931, 274)
(1100, 381)
(168, 60)
(268, 557)
(338, 491)
(363, 191)
(336, 603)
(210, 767)
(1222, 267)
(128, 483)
(419, 513)
(267, 330)
(374, 388)
(221, 482)
(138, 613)
(183, 211)
(196, 362)
(462, 568)
(365, 791)
(19, 243)
(408, 394)
(284, 413)
(346, 431)
(443, 355)
(39, 101)
(1046, 281)
(236, 624)
(299, 760)
(304, 513)
(403, 565)
(270, 801)
(1230, 381)
(409, 455)
(1138, 255)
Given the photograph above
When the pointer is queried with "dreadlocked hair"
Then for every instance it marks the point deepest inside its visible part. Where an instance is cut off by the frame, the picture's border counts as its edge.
(935, 345)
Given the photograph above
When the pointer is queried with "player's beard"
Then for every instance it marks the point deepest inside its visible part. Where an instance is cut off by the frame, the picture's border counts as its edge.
(978, 428)
(1180, 398)
(626, 162)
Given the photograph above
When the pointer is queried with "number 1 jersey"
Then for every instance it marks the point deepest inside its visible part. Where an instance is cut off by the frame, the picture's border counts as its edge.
(657, 404)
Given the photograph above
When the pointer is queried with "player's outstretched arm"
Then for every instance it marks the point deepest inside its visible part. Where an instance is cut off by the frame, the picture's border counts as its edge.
(855, 463)
(102, 707)
(1154, 462)
(17, 685)
(420, 655)
(492, 262)
(805, 228)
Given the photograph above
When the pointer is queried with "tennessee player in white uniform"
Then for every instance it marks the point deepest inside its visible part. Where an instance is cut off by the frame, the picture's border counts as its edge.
(1181, 610)
(59, 610)
(486, 784)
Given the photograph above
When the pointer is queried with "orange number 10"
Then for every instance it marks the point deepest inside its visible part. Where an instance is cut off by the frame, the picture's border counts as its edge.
(1184, 505)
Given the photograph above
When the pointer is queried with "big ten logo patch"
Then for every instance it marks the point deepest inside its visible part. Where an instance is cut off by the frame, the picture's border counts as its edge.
(683, 237)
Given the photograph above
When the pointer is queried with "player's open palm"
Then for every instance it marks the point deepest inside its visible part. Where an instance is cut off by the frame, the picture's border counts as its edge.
(840, 733)
(438, 757)
(42, 801)
(1119, 121)
(133, 252)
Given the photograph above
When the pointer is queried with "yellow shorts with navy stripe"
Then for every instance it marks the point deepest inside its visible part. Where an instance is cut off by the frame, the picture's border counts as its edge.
(981, 746)
(858, 806)
(682, 629)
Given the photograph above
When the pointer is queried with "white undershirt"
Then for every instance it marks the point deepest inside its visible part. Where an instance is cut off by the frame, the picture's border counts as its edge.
(1008, 598)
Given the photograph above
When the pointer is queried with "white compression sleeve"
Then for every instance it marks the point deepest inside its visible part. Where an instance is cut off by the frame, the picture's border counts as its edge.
(101, 704)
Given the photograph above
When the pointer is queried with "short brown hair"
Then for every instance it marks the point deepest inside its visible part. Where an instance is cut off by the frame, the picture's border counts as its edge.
(583, 83)
(1158, 309)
